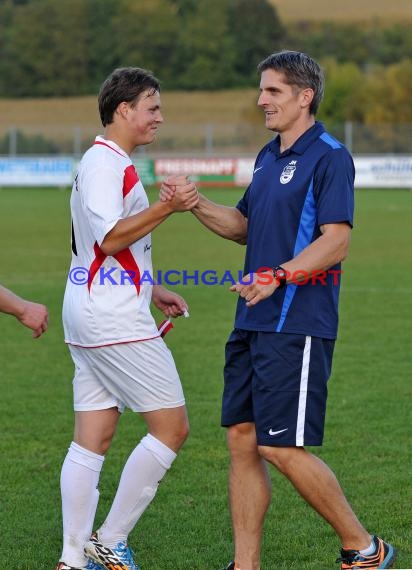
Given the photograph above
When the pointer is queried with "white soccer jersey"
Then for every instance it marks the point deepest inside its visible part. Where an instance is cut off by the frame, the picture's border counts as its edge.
(107, 299)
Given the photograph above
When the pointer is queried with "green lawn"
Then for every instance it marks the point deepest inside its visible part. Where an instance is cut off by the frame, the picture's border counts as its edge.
(188, 527)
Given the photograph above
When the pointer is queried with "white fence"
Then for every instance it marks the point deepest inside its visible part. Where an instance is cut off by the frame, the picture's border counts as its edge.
(231, 139)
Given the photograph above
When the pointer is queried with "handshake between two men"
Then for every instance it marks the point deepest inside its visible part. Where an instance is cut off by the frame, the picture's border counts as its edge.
(180, 192)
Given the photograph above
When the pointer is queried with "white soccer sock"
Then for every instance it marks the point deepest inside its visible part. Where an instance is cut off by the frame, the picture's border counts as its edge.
(78, 482)
(140, 479)
(370, 550)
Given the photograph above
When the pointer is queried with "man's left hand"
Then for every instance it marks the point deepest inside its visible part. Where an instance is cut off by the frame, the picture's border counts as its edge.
(171, 304)
(255, 287)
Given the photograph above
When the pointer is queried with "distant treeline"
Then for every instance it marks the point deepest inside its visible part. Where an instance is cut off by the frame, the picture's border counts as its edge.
(67, 47)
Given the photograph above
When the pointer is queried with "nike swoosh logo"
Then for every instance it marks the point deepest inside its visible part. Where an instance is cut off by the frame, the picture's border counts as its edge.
(271, 432)
(256, 169)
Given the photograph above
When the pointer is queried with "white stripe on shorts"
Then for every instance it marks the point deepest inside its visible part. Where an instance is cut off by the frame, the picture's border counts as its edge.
(300, 427)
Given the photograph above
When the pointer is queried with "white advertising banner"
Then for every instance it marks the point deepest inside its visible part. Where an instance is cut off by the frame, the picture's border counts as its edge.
(244, 171)
(370, 171)
(36, 171)
(373, 171)
(383, 171)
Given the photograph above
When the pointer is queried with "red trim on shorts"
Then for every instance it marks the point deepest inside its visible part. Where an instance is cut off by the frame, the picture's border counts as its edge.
(113, 343)
(165, 326)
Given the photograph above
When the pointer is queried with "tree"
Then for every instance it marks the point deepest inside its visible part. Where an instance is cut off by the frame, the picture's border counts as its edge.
(102, 54)
(146, 33)
(393, 44)
(257, 32)
(205, 52)
(355, 42)
(46, 47)
(68, 47)
(340, 102)
(386, 94)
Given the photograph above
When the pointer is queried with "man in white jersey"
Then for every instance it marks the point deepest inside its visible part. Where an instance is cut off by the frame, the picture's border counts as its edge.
(120, 359)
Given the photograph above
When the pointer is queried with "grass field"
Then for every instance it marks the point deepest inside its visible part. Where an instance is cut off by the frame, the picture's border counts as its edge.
(348, 11)
(187, 527)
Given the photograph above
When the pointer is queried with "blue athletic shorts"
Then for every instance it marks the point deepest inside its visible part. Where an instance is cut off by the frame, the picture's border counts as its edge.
(279, 382)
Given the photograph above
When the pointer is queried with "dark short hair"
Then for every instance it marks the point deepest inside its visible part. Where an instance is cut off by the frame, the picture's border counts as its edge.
(299, 69)
(124, 84)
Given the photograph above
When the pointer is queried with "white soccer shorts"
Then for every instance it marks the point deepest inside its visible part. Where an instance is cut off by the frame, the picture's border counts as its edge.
(141, 376)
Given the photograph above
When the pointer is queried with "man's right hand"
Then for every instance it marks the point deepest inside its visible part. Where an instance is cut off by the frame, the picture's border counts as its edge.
(180, 192)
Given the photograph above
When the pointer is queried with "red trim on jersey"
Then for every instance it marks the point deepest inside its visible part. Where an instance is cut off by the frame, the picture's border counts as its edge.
(96, 264)
(112, 343)
(128, 262)
(125, 259)
(130, 179)
(111, 148)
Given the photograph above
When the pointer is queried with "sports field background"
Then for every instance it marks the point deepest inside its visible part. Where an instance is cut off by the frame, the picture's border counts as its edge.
(348, 11)
(188, 527)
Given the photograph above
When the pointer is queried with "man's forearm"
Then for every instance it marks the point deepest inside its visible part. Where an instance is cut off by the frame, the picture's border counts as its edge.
(131, 229)
(224, 221)
(10, 303)
(327, 250)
